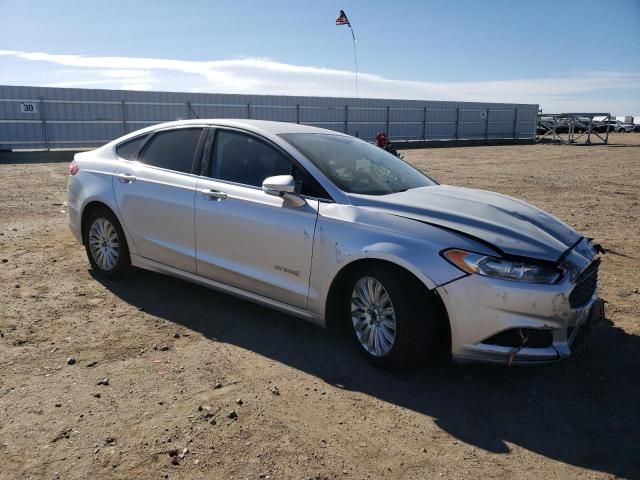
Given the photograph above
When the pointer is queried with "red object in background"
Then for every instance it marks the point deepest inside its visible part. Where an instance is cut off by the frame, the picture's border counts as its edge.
(381, 139)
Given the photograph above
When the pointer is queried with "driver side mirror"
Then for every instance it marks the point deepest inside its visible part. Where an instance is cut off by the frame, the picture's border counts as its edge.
(279, 185)
(283, 186)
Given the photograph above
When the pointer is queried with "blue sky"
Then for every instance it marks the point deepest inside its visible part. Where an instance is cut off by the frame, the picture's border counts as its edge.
(565, 55)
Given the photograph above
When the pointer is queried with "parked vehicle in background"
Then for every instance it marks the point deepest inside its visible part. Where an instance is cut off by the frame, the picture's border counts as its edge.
(581, 125)
(621, 127)
(613, 126)
(561, 125)
(548, 124)
(332, 229)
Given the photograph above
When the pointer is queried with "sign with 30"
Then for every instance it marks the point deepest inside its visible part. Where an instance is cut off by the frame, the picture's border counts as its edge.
(29, 107)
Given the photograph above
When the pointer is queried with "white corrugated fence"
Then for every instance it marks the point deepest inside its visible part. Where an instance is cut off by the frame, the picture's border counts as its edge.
(41, 117)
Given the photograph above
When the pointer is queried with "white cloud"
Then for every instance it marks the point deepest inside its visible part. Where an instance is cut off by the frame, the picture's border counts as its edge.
(123, 73)
(589, 91)
(137, 86)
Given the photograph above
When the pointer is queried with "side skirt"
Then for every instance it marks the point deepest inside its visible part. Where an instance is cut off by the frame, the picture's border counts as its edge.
(147, 264)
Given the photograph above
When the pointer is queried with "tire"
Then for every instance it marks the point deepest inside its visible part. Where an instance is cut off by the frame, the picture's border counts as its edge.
(621, 130)
(414, 317)
(102, 233)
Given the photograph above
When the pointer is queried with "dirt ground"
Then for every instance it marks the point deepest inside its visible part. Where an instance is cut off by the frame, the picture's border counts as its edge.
(179, 358)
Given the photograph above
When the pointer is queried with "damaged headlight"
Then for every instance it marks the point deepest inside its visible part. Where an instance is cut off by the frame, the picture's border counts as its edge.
(500, 268)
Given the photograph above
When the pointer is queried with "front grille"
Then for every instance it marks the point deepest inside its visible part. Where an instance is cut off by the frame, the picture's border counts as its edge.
(585, 286)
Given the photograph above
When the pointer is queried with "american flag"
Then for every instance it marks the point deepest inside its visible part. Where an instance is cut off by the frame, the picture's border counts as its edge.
(342, 19)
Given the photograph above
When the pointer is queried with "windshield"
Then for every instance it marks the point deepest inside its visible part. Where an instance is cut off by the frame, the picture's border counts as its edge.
(356, 166)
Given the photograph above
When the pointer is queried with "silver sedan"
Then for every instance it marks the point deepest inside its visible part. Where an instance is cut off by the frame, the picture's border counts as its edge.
(332, 229)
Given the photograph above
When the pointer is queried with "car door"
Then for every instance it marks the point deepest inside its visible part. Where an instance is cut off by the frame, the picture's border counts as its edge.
(155, 192)
(244, 237)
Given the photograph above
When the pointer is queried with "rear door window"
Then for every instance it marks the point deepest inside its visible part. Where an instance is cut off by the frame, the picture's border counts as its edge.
(129, 150)
(172, 149)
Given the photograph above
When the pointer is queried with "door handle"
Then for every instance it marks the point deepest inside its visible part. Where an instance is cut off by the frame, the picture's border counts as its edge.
(214, 194)
(126, 178)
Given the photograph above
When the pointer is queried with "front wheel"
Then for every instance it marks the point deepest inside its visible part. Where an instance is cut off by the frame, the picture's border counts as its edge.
(391, 319)
(105, 244)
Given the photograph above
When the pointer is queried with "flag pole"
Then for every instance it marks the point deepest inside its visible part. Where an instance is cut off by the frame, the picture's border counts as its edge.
(355, 56)
(344, 20)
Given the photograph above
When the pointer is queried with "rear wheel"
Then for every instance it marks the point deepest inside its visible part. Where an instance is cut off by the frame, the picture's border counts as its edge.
(105, 244)
(391, 319)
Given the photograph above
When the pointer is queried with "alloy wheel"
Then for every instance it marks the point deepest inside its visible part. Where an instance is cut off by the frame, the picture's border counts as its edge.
(373, 316)
(104, 244)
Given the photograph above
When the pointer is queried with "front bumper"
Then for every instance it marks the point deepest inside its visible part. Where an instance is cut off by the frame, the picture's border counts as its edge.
(480, 307)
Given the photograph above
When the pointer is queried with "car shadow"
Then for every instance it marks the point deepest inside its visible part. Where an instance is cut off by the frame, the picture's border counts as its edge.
(584, 412)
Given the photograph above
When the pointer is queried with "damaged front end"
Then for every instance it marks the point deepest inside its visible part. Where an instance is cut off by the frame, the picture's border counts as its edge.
(512, 322)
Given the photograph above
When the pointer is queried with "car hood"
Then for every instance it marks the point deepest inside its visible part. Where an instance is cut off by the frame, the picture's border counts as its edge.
(511, 226)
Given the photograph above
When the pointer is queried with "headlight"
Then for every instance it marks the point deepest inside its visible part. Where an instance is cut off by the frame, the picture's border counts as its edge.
(501, 268)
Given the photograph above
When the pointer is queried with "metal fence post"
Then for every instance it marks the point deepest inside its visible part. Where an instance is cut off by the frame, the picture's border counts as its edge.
(45, 131)
(571, 126)
(515, 123)
(248, 110)
(188, 110)
(486, 127)
(346, 119)
(298, 113)
(124, 117)
(457, 123)
(424, 124)
(387, 122)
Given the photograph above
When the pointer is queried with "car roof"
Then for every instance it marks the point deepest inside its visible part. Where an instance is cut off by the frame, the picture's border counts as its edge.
(255, 125)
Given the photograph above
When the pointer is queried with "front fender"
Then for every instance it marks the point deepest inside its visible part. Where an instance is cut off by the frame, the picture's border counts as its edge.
(346, 234)
(402, 256)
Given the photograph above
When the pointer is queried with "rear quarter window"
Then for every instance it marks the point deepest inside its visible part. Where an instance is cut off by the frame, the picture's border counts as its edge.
(129, 150)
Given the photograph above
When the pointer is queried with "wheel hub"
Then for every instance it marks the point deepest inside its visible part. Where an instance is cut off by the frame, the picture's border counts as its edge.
(373, 316)
(104, 244)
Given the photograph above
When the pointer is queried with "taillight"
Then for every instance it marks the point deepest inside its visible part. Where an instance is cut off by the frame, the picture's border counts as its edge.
(73, 168)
